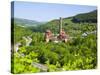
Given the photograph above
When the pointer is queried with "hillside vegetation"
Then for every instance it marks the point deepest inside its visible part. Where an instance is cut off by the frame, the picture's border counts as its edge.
(87, 17)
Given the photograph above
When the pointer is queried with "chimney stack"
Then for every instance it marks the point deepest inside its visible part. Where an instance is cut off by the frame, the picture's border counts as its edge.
(60, 25)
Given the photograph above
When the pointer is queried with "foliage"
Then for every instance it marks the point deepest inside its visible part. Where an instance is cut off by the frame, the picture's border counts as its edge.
(19, 32)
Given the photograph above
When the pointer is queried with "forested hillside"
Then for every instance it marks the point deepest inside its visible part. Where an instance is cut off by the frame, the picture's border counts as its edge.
(79, 53)
(87, 17)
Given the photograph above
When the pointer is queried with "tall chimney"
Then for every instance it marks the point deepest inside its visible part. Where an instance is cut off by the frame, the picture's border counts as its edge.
(60, 25)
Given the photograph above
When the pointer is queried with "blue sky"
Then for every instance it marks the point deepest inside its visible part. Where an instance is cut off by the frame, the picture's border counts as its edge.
(47, 11)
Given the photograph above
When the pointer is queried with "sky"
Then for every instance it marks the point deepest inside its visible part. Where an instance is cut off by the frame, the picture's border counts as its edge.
(48, 11)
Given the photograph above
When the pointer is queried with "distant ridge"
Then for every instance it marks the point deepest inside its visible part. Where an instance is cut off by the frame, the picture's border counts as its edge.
(26, 22)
